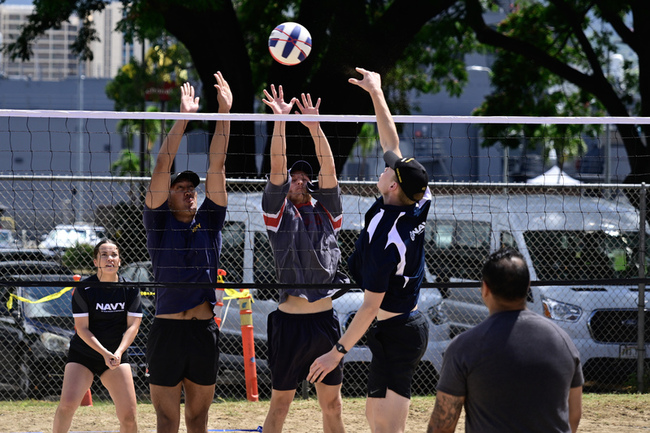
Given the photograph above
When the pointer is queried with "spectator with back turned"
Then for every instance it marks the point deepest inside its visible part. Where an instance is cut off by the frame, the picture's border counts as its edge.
(516, 371)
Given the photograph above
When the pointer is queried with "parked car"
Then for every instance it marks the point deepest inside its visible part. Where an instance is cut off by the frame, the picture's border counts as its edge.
(34, 337)
(65, 236)
(570, 238)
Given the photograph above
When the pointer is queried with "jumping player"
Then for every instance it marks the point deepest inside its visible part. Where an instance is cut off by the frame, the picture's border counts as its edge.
(106, 322)
(303, 236)
(184, 242)
(388, 264)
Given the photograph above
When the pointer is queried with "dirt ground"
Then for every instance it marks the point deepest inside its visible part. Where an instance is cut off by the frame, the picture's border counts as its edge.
(601, 414)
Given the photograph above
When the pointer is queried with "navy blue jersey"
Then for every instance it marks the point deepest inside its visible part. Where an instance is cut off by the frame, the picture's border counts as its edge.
(389, 254)
(182, 252)
(107, 310)
(304, 239)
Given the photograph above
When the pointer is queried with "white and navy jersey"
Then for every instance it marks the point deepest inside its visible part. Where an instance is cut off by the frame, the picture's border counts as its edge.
(389, 254)
(107, 310)
(304, 239)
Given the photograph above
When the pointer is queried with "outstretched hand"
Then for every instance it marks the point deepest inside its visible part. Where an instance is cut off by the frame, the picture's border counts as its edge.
(370, 82)
(189, 104)
(224, 94)
(275, 100)
(307, 107)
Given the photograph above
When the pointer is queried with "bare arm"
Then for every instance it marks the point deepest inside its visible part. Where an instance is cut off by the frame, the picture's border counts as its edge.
(371, 83)
(359, 325)
(446, 413)
(327, 175)
(158, 191)
(275, 100)
(215, 181)
(132, 327)
(575, 408)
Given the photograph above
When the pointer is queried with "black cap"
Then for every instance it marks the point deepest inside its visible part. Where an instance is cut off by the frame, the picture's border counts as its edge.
(186, 175)
(411, 176)
(303, 166)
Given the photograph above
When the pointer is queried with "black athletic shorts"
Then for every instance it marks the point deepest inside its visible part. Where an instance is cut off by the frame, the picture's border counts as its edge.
(183, 349)
(95, 364)
(397, 345)
(295, 341)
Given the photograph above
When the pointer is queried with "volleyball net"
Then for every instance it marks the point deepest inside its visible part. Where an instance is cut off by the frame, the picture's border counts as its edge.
(551, 187)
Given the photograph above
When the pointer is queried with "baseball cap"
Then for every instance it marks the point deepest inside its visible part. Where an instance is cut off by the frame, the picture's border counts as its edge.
(303, 166)
(186, 175)
(411, 176)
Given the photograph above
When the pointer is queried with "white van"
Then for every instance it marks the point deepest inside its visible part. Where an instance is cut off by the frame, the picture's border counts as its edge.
(65, 236)
(562, 238)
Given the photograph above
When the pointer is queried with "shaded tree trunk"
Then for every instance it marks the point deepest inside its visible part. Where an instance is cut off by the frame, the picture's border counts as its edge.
(216, 43)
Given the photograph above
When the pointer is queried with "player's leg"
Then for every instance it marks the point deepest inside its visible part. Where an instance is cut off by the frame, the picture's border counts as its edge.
(388, 414)
(331, 404)
(119, 383)
(198, 399)
(166, 401)
(200, 375)
(76, 381)
(278, 410)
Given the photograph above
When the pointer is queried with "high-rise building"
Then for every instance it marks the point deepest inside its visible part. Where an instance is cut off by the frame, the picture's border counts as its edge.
(52, 58)
(112, 51)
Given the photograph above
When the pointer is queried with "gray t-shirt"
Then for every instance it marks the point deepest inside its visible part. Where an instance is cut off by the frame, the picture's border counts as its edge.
(515, 370)
(304, 239)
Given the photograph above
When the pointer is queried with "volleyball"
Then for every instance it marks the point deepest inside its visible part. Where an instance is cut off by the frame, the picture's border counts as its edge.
(289, 43)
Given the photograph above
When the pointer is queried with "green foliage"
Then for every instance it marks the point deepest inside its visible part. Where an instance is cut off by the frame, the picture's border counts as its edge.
(428, 65)
(367, 140)
(167, 65)
(631, 383)
(79, 258)
(524, 88)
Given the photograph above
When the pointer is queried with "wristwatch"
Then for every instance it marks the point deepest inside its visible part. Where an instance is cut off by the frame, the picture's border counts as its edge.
(340, 348)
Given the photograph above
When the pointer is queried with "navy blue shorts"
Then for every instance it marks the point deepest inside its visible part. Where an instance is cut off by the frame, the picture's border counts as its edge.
(95, 364)
(295, 341)
(183, 349)
(397, 345)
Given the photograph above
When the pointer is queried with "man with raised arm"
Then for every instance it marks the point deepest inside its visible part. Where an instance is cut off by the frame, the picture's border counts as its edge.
(388, 264)
(184, 242)
(303, 236)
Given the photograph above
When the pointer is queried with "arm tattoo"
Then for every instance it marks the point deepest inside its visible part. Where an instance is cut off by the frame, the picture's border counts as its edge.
(445, 413)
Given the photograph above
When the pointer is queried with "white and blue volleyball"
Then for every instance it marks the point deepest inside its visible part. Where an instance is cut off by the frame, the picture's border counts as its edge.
(290, 43)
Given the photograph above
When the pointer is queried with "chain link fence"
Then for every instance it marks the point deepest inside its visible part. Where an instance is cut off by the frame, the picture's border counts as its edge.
(586, 253)
(585, 245)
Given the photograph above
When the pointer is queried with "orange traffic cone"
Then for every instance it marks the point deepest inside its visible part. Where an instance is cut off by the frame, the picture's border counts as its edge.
(87, 399)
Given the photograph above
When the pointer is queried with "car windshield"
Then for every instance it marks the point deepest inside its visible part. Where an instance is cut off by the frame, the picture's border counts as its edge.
(572, 255)
(56, 307)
